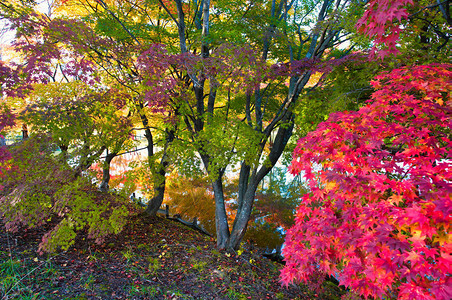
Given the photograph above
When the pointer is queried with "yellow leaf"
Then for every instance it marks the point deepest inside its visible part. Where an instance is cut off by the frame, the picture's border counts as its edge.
(442, 239)
(395, 199)
(330, 185)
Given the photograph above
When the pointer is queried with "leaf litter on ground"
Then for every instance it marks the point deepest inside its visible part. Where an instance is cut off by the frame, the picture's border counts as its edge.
(152, 258)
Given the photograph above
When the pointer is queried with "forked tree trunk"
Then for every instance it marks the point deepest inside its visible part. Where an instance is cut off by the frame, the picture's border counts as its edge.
(242, 217)
(250, 177)
(248, 182)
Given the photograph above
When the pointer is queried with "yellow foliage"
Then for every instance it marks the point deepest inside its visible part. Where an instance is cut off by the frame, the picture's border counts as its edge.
(330, 185)
(76, 7)
(443, 238)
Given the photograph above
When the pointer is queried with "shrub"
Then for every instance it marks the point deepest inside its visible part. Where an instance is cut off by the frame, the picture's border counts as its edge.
(378, 215)
(40, 189)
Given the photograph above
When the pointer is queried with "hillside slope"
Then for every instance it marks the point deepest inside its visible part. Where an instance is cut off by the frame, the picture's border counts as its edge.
(150, 259)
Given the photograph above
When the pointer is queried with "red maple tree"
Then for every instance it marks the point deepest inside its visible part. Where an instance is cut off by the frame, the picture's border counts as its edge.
(379, 212)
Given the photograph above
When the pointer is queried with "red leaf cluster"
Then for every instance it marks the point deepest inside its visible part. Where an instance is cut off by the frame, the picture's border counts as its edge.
(38, 40)
(377, 23)
(154, 65)
(379, 213)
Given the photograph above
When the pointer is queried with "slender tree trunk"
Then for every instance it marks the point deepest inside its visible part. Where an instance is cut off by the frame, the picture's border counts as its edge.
(205, 28)
(159, 186)
(243, 184)
(159, 192)
(249, 181)
(64, 153)
(221, 217)
(160, 178)
(181, 26)
(106, 172)
(24, 131)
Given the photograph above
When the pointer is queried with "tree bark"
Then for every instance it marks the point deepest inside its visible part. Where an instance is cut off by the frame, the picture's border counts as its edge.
(160, 178)
(64, 152)
(243, 216)
(181, 26)
(205, 28)
(159, 192)
(24, 131)
(248, 184)
(106, 172)
(221, 217)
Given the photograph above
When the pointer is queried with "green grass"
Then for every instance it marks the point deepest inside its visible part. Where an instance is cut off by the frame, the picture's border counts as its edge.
(19, 277)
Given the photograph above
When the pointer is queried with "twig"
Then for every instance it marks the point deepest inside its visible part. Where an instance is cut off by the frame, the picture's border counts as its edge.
(127, 152)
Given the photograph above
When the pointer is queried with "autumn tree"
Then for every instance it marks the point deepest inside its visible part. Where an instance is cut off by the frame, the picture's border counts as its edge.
(6, 120)
(378, 211)
(39, 189)
(115, 36)
(78, 118)
(91, 40)
(195, 81)
(240, 110)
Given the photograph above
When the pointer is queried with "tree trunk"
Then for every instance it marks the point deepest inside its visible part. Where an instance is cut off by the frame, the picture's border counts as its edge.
(221, 217)
(24, 131)
(243, 184)
(64, 152)
(106, 172)
(159, 191)
(248, 185)
(156, 201)
(160, 178)
(243, 216)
